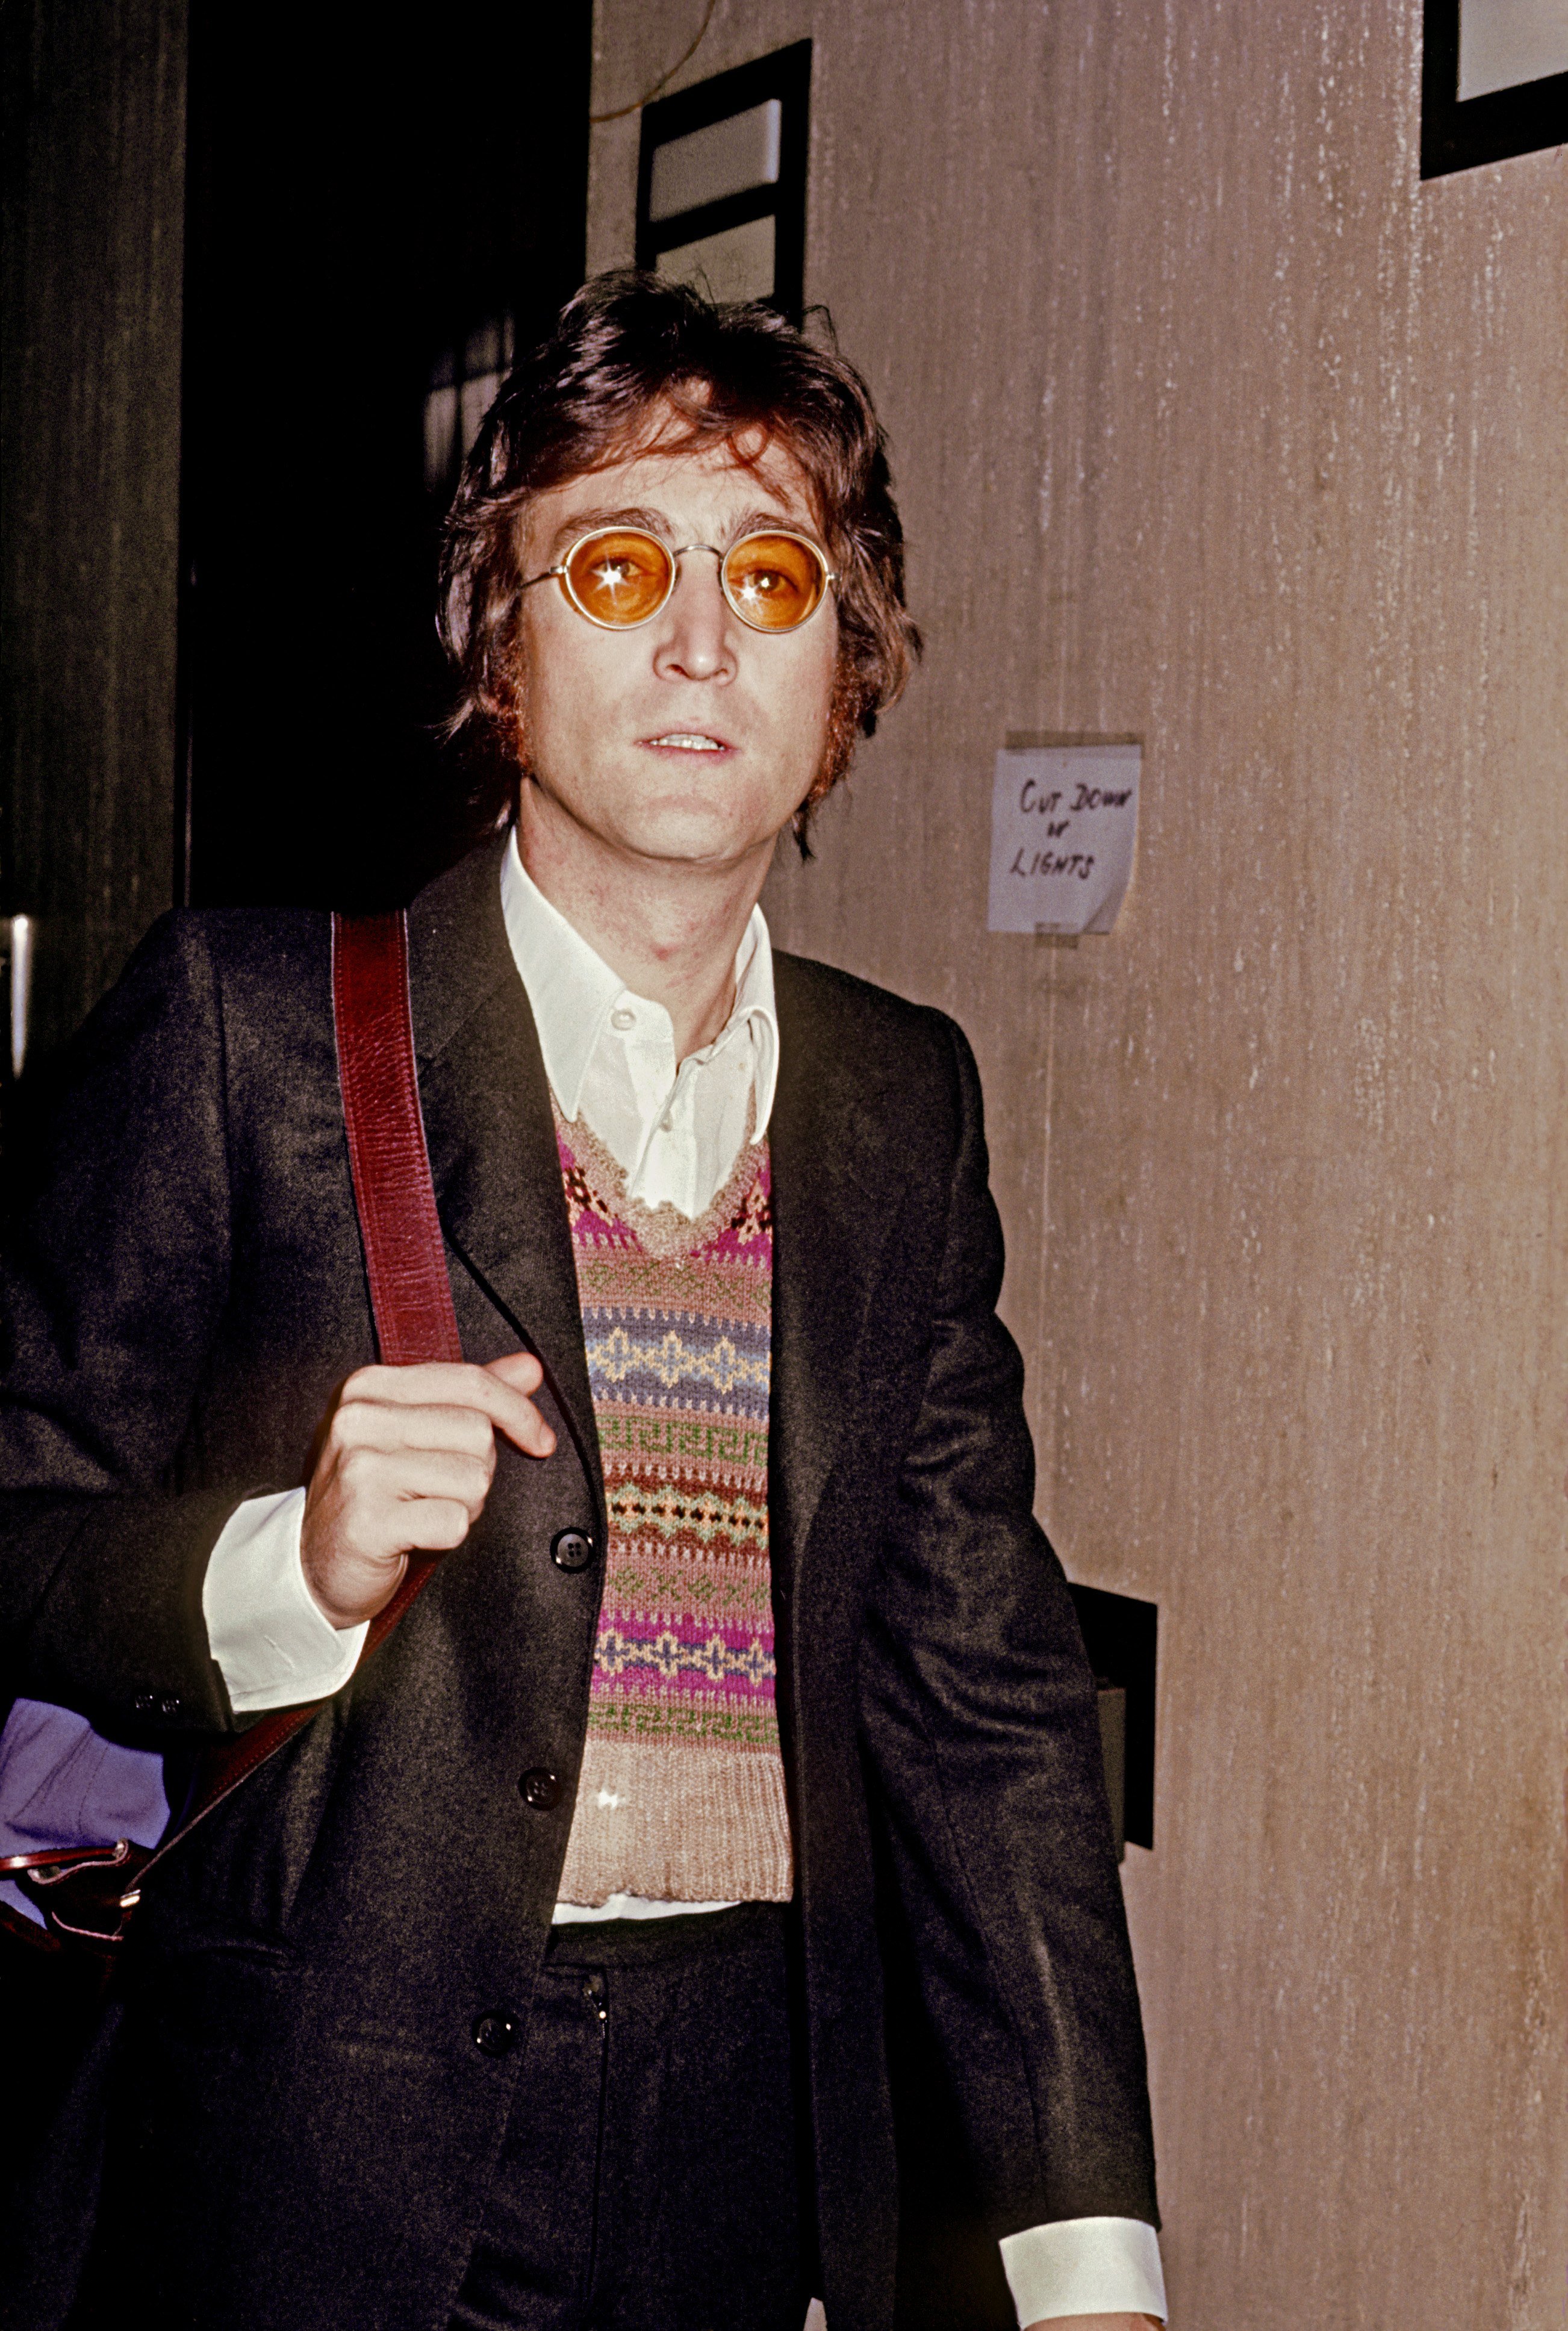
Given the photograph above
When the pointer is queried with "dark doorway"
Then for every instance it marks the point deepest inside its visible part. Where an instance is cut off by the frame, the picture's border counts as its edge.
(374, 217)
(1121, 1636)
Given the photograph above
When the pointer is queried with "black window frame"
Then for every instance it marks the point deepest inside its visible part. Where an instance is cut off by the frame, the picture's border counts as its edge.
(1524, 118)
(786, 74)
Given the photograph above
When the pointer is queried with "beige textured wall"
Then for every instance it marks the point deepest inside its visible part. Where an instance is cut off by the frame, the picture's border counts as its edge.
(1214, 424)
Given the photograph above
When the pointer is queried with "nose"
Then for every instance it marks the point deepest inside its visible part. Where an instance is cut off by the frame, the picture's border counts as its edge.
(696, 632)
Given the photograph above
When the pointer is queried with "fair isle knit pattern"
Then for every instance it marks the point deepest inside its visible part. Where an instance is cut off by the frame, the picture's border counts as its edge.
(681, 1796)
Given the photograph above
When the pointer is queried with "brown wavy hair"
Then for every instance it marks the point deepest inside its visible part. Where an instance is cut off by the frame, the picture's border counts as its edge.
(634, 361)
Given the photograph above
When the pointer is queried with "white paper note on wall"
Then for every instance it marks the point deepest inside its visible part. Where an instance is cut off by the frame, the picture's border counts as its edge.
(1506, 43)
(1064, 820)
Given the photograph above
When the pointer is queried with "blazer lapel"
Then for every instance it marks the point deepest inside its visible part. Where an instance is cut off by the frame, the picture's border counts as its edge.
(491, 1131)
(837, 1181)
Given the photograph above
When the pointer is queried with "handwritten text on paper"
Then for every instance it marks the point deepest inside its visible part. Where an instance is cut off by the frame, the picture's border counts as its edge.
(1064, 820)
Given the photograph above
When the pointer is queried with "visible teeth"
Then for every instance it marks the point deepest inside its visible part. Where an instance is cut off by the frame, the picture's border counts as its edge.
(691, 743)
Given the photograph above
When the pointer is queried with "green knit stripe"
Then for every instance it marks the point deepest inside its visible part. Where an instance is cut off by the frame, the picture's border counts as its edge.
(730, 1441)
(699, 1721)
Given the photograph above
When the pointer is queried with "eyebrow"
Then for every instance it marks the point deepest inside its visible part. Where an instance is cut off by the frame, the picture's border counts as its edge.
(587, 521)
(654, 522)
(772, 521)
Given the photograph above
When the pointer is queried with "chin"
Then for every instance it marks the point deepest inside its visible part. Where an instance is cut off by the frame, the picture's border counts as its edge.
(691, 836)
(696, 849)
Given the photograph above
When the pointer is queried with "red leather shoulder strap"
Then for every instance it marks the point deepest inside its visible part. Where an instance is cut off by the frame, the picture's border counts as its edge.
(404, 1258)
(399, 1227)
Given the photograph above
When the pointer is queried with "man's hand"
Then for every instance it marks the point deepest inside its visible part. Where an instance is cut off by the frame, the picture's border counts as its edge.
(406, 1466)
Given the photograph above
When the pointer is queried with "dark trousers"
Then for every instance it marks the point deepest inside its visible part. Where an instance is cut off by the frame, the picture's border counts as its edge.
(649, 2176)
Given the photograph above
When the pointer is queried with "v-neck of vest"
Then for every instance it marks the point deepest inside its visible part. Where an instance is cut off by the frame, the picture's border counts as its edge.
(662, 1232)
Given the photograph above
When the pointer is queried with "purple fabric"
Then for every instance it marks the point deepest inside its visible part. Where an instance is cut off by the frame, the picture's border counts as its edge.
(61, 1784)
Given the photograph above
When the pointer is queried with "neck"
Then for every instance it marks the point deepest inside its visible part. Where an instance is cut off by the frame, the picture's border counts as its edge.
(668, 927)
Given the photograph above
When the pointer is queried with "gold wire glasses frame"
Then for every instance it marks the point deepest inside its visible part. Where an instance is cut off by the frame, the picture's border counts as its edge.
(619, 577)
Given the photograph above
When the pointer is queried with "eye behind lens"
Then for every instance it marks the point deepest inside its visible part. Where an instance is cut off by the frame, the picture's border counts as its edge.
(619, 577)
(773, 581)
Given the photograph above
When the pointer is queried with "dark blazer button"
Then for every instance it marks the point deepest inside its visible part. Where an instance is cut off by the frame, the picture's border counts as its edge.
(494, 2032)
(169, 1704)
(146, 1703)
(570, 1549)
(541, 1789)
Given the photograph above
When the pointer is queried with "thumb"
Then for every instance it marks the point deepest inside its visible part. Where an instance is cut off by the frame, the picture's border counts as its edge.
(521, 1374)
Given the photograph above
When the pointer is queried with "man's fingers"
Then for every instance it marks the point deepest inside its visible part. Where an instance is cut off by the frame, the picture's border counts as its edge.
(430, 1384)
(384, 1476)
(434, 1525)
(522, 1370)
(499, 1393)
(377, 1425)
(518, 1373)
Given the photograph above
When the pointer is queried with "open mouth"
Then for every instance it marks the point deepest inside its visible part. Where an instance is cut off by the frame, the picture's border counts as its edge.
(687, 740)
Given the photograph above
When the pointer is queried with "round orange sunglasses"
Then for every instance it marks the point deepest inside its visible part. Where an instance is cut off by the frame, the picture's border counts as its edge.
(619, 576)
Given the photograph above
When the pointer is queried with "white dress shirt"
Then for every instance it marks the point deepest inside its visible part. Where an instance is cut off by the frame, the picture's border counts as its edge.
(676, 1127)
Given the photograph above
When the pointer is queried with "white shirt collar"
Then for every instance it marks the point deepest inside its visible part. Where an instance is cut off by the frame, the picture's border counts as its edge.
(573, 990)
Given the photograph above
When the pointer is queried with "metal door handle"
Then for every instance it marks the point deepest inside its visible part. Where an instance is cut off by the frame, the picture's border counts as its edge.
(17, 933)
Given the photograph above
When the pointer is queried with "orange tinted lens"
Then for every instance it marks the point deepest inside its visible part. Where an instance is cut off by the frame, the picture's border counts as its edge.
(774, 581)
(619, 577)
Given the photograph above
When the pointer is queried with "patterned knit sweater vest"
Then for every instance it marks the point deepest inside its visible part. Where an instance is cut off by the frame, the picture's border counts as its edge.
(681, 1797)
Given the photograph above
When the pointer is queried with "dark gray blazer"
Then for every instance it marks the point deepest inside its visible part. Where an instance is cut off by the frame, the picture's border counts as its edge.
(301, 2126)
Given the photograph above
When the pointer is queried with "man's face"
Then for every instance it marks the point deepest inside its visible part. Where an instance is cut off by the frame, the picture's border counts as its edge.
(693, 738)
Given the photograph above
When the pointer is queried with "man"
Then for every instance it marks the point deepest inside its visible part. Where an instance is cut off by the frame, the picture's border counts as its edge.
(736, 1779)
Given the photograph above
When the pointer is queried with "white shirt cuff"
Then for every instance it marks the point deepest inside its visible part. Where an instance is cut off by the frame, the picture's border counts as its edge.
(1085, 2265)
(273, 1646)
